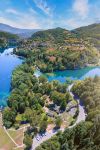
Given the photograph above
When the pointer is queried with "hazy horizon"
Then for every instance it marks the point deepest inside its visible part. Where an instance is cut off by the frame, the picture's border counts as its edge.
(45, 28)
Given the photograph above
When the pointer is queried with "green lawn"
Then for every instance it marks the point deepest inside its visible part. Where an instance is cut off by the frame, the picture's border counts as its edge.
(17, 136)
(5, 141)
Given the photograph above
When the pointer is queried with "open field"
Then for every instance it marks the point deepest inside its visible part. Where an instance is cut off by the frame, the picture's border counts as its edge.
(17, 136)
(5, 141)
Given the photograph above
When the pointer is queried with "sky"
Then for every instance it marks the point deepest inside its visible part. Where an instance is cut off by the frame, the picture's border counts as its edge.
(44, 14)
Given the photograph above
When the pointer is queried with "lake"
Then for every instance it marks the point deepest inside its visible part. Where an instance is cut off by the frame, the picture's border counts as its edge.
(8, 63)
(79, 74)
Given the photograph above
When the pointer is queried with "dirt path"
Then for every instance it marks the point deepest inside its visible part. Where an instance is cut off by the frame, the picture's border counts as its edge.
(6, 131)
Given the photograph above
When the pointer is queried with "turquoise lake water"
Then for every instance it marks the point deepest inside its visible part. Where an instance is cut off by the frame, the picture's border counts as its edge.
(8, 63)
(74, 74)
(71, 74)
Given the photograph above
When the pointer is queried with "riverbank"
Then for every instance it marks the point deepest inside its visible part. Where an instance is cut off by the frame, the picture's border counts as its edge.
(62, 76)
(8, 62)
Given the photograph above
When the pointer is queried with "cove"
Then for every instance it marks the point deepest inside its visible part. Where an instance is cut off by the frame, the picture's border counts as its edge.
(8, 62)
(79, 74)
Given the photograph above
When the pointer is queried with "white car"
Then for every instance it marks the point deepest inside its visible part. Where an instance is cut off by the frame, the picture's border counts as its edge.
(45, 134)
(37, 138)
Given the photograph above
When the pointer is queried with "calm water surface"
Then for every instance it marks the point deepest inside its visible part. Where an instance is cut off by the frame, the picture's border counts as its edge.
(74, 74)
(8, 63)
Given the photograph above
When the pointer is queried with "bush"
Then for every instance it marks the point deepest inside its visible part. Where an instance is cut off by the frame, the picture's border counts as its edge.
(28, 142)
(16, 125)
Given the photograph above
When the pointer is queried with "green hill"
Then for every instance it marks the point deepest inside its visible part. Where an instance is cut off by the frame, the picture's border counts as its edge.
(57, 49)
(7, 39)
(90, 33)
(53, 35)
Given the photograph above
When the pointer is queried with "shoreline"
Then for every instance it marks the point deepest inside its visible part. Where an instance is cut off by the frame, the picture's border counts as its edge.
(6, 55)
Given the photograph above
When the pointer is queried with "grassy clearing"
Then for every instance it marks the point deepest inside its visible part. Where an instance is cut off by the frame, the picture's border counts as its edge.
(67, 119)
(5, 141)
(17, 136)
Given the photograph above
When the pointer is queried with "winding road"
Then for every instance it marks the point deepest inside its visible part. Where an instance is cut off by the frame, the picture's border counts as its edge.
(81, 117)
(82, 114)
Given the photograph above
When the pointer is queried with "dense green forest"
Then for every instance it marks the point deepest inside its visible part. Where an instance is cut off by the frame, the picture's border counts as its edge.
(90, 33)
(57, 49)
(86, 135)
(7, 39)
(89, 93)
(28, 98)
(54, 49)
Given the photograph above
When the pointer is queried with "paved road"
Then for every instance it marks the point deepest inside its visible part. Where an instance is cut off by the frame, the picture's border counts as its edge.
(82, 114)
(36, 143)
(81, 117)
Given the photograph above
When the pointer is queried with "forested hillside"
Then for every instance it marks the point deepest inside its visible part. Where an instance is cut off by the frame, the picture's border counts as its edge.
(89, 92)
(37, 102)
(86, 135)
(57, 49)
(90, 33)
(7, 39)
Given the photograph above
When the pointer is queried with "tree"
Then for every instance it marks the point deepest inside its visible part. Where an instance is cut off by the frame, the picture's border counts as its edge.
(58, 97)
(42, 79)
(9, 116)
(63, 105)
(58, 122)
(61, 88)
(65, 146)
(28, 142)
(43, 124)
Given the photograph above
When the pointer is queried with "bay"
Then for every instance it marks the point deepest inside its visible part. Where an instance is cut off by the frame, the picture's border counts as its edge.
(79, 74)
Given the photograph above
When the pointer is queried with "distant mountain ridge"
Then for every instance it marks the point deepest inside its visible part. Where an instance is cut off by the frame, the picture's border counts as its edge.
(7, 39)
(90, 33)
(21, 32)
